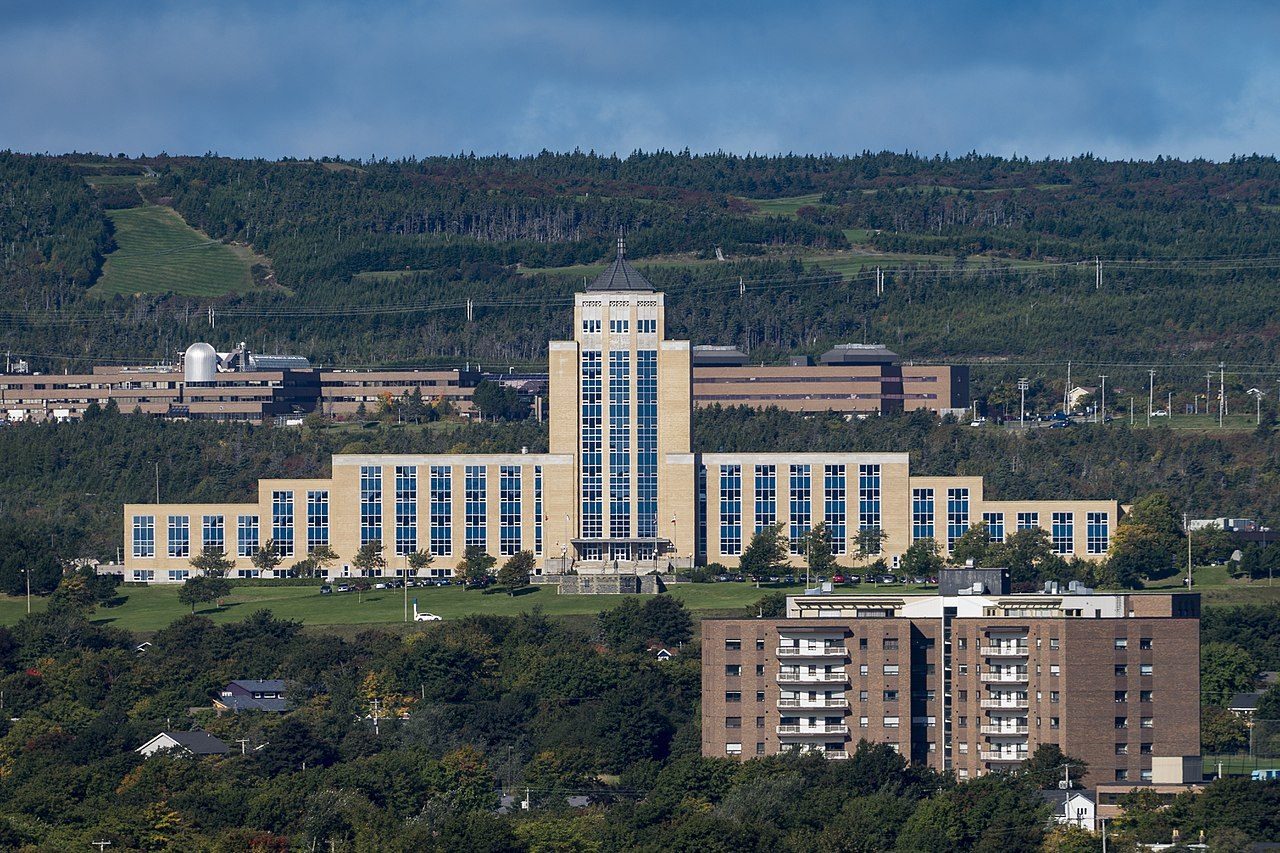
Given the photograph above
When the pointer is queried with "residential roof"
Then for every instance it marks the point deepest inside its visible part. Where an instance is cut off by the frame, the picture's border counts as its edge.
(620, 276)
(196, 743)
(1244, 702)
(232, 702)
(1059, 798)
(260, 685)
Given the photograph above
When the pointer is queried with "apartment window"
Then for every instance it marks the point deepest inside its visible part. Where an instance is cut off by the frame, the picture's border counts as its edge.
(890, 722)
(732, 696)
(1053, 695)
(1121, 669)
(862, 696)
(759, 746)
(1144, 643)
(862, 669)
(406, 501)
(179, 536)
(475, 506)
(1144, 775)
(759, 695)
(1122, 695)
(963, 749)
(733, 749)
(962, 669)
(732, 645)
(733, 722)
(891, 696)
(766, 496)
(1053, 642)
(759, 669)
(869, 499)
(862, 722)
(733, 669)
(862, 642)
(144, 536)
(962, 722)
(1122, 775)
(759, 722)
(1144, 695)
(1054, 670)
(1122, 643)
(1028, 520)
(962, 696)
(957, 515)
(1122, 749)
(1147, 723)
(1055, 722)
(1122, 722)
(1146, 669)
(890, 644)
(891, 669)
(1145, 749)
(759, 644)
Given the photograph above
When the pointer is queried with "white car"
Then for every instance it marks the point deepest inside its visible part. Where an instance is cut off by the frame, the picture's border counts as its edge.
(425, 617)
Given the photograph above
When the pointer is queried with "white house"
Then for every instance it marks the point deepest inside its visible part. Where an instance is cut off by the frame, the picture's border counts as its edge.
(186, 743)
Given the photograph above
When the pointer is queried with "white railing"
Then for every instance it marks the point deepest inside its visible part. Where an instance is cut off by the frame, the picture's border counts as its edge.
(813, 731)
(1004, 651)
(835, 754)
(818, 705)
(819, 677)
(1002, 756)
(1003, 703)
(1011, 731)
(1019, 677)
(812, 651)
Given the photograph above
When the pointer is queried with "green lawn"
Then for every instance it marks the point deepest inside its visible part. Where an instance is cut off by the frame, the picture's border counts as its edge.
(159, 253)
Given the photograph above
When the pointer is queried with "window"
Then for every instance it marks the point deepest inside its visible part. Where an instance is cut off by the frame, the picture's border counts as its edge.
(759, 644)
(591, 326)
(317, 520)
(733, 749)
(962, 696)
(862, 696)
(890, 644)
(1144, 643)
(1055, 722)
(766, 496)
(835, 514)
(963, 748)
(1053, 642)
(962, 643)
(1122, 643)
(733, 670)
(1053, 695)
(591, 410)
(995, 526)
(647, 327)
(962, 722)
(1122, 775)
(1122, 695)
(282, 522)
(891, 696)
(921, 514)
(538, 517)
(509, 540)
(1147, 723)
(620, 443)
(891, 669)
(1054, 670)
(179, 536)
(801, 510)
(759, 722)
(1145, 749)
(441, 511)
(759, 670)
(890, 722)
(869, 499)
(370, 503)
(215, 536)
(732, 696)
(962, 669)
(1144, 775)
(1144, 695)
(1097, 535)
(246, 535)
(179, 574)
(1122, 749)
(1146, 669)
(1028, 520)
(1122, 722)
(1121, 670)
(732, 645)
(1063, 529)
(862, 669)
(957, 515)
(759, 746)
(862, 642)
(759, 695)
(731, 509)
(733, 722)
(862, 722)
(475, 507)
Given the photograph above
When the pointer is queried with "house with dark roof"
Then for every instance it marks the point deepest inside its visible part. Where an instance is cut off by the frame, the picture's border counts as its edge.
(251, 695)
(1072, 807)
(183, 743)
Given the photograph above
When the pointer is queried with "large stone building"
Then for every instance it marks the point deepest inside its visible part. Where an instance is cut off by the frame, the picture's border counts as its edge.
(969, 680)
(620, 484)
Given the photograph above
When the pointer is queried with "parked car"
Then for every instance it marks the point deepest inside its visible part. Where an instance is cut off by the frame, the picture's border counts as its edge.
(326, 590)
(425, 617)
(379, 586)
(342, 587)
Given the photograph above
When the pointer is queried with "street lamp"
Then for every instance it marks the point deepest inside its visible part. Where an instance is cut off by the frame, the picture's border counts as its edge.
(26, 571)
(1103, 407)
(1257, 398)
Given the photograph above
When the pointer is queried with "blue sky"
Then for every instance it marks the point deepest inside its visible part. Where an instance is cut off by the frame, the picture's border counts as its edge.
(306, 79)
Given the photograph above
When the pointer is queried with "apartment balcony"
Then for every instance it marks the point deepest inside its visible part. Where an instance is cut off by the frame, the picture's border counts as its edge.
(1003, 677)
(817, 705)
(1009, 757)
(812, 731)
(1011, 703)
(1004, 651)
(835, 754)
(812, 652)
(832, 677)
(1004, 731)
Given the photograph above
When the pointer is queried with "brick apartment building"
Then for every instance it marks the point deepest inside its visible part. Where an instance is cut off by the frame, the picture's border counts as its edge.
(970, 680)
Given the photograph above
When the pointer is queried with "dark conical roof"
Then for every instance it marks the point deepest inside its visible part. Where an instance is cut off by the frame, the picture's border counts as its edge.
(620, 275)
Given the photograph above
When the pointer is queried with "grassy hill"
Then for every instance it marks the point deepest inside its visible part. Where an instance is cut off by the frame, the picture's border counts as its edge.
(159, 253)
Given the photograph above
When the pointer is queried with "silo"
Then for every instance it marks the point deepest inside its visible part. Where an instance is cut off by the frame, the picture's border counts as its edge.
(199, 363)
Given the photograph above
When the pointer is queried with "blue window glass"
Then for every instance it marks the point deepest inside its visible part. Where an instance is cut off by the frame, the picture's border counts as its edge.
(800, 484)
(537, 510)
(620, 444)
(282, 522)
(921, 514)
(247, 536)
(441, 510)
(647, 442)
(406, 509)
(957, 515)
(835, 512)
(995, 526)
(869, 499)
(144, 536)
(179, 536)
(214, 534)
(1097, 533)
(592, 446)
(1028, 520)
(370, 503)
(317, 519)
(476, 506)
(508, 510)
(730, 509)
(1063, 532)
(766, 497)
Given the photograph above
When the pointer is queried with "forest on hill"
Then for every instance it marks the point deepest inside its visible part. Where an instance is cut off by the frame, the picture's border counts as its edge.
(986, 260)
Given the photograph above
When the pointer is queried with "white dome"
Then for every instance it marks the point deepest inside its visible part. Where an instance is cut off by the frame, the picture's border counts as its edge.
(199, 363)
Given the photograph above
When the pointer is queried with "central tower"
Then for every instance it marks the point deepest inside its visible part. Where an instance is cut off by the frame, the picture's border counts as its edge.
(621, 405)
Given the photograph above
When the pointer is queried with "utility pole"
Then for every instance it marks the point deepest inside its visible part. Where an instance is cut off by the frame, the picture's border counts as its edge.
(1098, 264)
(1104, 398)
(1022, 386)
(243, 741)
(1151, 395)
(1222, 393)
(1186, 525)
(1130, 411)
(1066, 395)
(157, 464)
